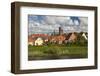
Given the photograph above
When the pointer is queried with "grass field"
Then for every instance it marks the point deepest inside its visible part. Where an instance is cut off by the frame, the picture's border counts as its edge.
(56, 52)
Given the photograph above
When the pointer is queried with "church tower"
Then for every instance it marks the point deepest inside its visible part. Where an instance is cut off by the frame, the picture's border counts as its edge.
(60, 31)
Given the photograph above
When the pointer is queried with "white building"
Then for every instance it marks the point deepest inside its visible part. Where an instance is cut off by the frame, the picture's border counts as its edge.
(38, 42)
(84, 35)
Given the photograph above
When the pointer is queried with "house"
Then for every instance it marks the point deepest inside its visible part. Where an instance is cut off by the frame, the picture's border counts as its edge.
(30, 41)
(71, 37)
(33, 38)
(61, 39)
(57, 39)
(38, 42)
(84, 35)
(67, 37)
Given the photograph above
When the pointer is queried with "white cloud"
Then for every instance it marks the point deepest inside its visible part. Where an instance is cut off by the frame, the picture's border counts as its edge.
(84, 21)
(51, 23)
(71, 22)
(76, 22)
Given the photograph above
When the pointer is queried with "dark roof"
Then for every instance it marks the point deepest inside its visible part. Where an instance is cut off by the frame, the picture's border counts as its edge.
(68, 36)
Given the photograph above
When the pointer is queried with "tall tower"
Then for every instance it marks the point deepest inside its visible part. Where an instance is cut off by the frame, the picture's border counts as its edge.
(60, 31)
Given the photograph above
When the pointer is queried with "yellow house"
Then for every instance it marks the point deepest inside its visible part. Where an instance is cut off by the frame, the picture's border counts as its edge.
(39, 42)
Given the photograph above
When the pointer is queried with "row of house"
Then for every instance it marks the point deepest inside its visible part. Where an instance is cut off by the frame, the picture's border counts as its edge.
(64, 38)
(41, 39)
(37, 39)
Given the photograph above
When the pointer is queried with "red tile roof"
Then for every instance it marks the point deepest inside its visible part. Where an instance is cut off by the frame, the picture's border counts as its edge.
(39, 35)
(33, 37)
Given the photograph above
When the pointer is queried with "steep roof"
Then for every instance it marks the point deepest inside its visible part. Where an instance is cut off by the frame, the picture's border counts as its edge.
(70, 34)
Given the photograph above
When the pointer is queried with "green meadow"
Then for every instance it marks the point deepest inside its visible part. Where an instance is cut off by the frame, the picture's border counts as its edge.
(55, 51)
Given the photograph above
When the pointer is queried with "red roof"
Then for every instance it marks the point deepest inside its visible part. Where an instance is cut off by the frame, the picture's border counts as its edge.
(32, 37)
(38, 35)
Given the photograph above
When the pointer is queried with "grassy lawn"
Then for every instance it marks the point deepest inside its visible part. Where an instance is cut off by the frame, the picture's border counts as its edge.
(56, 52)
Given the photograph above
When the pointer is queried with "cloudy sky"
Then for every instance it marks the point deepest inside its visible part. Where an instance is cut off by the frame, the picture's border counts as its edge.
(47, 24)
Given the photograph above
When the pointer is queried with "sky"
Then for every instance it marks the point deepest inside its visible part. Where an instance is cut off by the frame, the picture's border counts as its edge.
(47, 24)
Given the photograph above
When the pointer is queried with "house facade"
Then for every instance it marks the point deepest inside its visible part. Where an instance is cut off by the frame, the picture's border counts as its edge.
(84, 35)
(57, 39)
(73, 37)
(38, 42)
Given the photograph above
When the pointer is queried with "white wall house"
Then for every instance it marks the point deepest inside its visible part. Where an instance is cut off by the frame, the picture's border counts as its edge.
(84, 35)
(39, 42)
